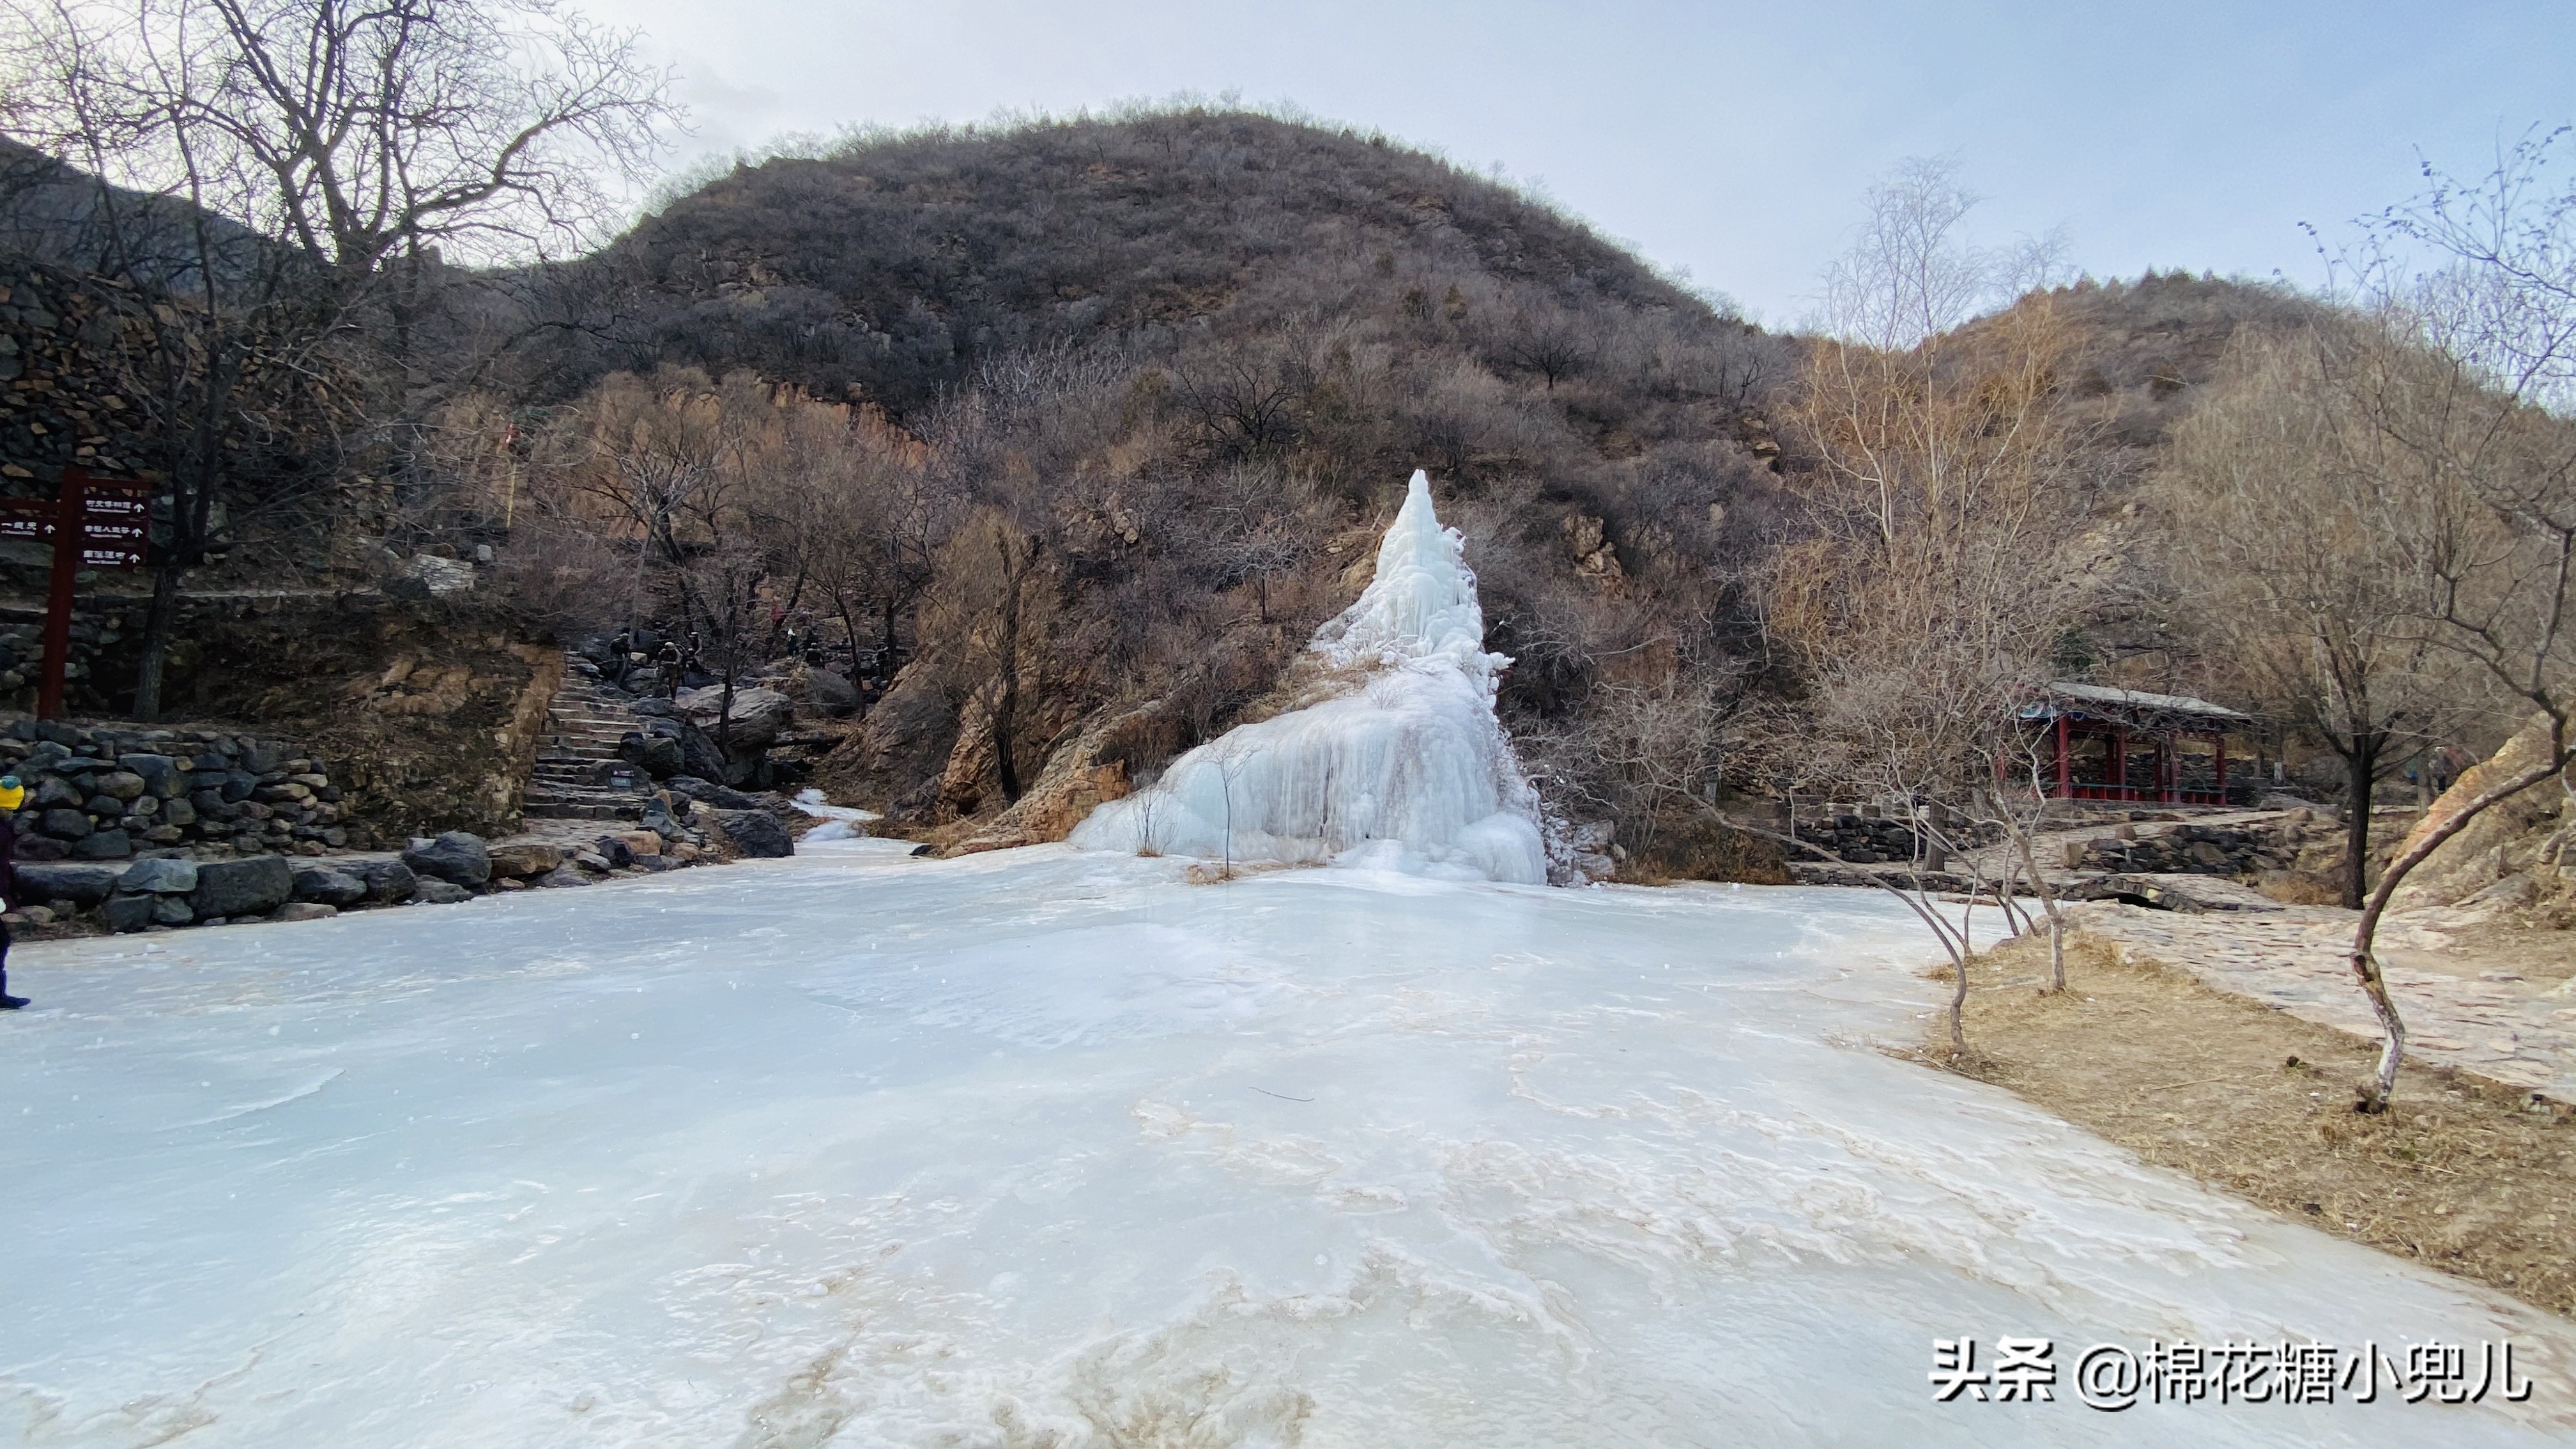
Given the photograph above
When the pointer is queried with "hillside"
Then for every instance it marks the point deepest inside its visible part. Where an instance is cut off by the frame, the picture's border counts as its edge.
(897, 265)
(1171, 371)
(1191, 358)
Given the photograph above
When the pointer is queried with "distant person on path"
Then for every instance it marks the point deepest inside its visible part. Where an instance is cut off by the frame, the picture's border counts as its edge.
(669, 660)
(12, 795)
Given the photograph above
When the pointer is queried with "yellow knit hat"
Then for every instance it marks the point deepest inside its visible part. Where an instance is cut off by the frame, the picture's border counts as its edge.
(11, 792)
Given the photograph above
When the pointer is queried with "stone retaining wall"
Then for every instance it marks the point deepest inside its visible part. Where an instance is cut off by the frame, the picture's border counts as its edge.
(2195, 849)
(108, 792)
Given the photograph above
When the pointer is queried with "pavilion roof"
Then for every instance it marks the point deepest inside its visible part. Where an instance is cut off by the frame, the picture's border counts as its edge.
(2135, 707)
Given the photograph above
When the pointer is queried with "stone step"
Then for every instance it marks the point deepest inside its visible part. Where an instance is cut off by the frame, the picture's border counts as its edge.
(545, 810)
(582, 790)
(584, 722)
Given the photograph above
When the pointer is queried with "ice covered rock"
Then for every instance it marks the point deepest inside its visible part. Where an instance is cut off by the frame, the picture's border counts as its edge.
(1392, 759)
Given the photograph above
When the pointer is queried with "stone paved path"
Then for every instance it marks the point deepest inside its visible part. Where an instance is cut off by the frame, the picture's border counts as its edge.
(2497, 1023)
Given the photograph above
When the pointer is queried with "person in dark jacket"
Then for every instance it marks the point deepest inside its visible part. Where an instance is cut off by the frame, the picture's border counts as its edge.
(12, 794)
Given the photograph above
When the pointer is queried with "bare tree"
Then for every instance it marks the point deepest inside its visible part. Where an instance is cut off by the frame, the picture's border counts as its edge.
(1921, 604)
(2456, 397)
(318, 157)
(2298, 577)
(994, 603)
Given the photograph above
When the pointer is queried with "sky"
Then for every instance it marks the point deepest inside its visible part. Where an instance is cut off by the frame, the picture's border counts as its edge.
(1732, 140)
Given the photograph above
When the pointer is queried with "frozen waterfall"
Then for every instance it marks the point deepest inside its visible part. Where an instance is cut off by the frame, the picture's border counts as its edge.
(1393, 758)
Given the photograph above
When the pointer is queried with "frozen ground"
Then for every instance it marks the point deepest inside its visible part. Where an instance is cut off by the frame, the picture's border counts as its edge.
(1043, 1147)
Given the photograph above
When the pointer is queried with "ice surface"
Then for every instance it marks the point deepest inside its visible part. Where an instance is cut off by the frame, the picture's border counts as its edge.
(840, 822)
(1394, 760)
(1051, 1148)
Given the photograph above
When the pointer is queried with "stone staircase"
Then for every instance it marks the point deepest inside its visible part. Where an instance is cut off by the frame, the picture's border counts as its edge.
(578, 750)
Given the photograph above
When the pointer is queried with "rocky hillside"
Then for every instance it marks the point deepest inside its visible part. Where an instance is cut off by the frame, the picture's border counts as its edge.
(1190, 359)
(1133, 395)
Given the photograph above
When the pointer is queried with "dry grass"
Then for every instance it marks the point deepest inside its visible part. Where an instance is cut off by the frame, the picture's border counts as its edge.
(2461, 1173)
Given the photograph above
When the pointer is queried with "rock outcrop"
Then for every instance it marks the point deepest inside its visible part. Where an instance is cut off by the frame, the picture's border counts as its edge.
(2510, 838)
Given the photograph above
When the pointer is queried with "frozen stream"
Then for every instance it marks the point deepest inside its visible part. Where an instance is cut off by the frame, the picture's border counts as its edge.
(1044, 1148)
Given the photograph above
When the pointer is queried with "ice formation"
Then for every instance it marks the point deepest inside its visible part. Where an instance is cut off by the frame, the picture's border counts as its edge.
(1395, 759)
(840, 822)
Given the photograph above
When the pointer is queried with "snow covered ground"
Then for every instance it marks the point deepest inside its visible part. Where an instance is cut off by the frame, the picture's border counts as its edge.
(1051, 1148)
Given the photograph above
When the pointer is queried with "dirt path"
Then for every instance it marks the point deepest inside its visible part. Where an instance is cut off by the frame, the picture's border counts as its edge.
(2461, 1174)
(2475, 997)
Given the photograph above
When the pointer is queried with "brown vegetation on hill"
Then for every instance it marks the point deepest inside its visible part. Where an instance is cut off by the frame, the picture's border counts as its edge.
(1155, 382)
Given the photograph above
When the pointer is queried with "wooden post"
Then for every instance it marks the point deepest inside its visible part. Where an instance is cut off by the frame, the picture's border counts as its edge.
(2219, 738)
(2119, 771)
(2065, 767)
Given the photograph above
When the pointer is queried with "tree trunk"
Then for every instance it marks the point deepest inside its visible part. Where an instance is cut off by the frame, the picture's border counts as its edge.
(157, 620)
(2365, 962)
(1003, 711)
(2361, 764)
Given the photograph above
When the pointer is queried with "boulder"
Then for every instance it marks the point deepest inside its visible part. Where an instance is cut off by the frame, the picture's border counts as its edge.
(54, 791)
(119, 785)
(388, 880)
(723, 797)
(303, 911)
(563, 875)
(64, 823)
(67, 883)
(754, 833)
(698, 753)
(172, 911)
(166, 876)
(457, 857)
(103, 845)
(830, 693)
(616, 851)
(2500, 841)
(322, 885)
(592, 860)
(129, 913)
(435, 892)
(641, 842)
(660, 822)
(248, 887)
(159, 773)
(525, 857)
(754, 719)
(657, 755)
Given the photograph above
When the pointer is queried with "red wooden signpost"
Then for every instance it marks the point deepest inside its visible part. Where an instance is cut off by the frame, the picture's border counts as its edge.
(96, 523)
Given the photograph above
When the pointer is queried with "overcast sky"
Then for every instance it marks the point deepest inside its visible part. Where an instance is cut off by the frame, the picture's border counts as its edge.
(1733, 139)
